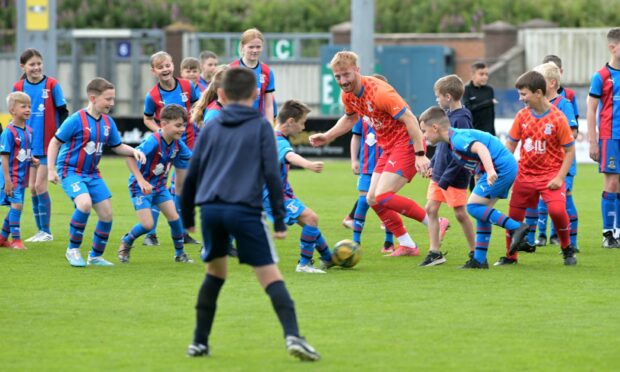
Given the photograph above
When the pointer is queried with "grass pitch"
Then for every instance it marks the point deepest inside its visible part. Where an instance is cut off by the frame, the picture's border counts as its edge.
(385, 314)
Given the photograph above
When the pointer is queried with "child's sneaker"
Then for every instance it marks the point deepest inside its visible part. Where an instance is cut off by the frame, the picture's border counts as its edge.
(34, 237)
(503, 261)
(98, 261)
(519, 238)
(197, 350)
(569, 256)
(388, 248)
(554, 240)
(326, 265)
(433, 259)
(473, 264)
(299, 348)
(74, 257)
(124, 252)
(150, 240)
(308, 268)
(43, 236)
(405, 251)
(4, 242)
(17, 244)
(187, 239)
(184, 258)
(541, 241)
(348, 222)
(444, 225)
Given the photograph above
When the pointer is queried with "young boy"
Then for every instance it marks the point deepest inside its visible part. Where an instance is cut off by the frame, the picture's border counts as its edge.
(238, 145)
(208, 63)
(80, 140)
(552, 74)
(479, 98)
(290, 121)
(604, 135)
(547, 152)
(190, 70)
(147, 183)
(168, 90)
(479, 151)
(449, 178)
(15, 156)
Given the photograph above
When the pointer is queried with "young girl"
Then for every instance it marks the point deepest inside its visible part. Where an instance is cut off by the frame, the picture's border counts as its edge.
(49, 110)
(208, 107)
(251, 47)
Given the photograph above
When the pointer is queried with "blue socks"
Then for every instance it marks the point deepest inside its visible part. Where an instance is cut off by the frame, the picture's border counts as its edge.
(76, 228)
(155, 212)
(571, 209)
(6, 229)
(176, 228)
(100, 238)
(608, 209)
(136, 231)
(311, 237)
(543, 215)
(15, 216)
(531, 217)
(45, 212)
(483, 237)
(359, 218)
(489, 214)
(35, 211)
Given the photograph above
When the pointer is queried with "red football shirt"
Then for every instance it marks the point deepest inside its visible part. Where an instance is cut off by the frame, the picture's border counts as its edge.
(542, 142)
(381, 105)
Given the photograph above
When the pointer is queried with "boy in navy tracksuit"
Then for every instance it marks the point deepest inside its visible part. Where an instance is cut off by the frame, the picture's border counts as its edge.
(449, 178)
(233, 158)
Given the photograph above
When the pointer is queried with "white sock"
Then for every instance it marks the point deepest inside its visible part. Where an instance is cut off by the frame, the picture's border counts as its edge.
(425, 221)
(405, 240)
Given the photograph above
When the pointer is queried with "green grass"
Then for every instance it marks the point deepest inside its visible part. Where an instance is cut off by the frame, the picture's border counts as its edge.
(385, 314)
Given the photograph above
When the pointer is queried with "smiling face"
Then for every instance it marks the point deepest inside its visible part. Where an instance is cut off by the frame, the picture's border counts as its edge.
(348, 77)
(163, 68)
(250, 51)
(103, 102)
(173, 128)
(530, 99)
(33, 68)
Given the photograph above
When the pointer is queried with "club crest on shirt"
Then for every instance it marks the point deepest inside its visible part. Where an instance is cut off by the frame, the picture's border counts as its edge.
(262, 78)
(159, 169)
(41, 107)
(184, 97)
(371, 139)
(90, 148)
(548, 128)
(22, 155)
(106, 130)
(45, 93)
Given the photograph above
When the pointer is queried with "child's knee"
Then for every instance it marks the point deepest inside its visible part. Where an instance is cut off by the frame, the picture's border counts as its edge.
(461, 214)
(309, 217)
(432, 209)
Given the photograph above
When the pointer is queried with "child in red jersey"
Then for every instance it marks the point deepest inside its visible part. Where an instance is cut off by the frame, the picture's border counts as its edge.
(547, 152)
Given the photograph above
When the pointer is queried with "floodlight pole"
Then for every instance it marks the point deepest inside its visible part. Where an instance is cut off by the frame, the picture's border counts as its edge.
(36, 28)
(363, 34)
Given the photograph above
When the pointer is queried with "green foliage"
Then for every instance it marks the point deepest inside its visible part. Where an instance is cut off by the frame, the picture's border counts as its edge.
(319, 15)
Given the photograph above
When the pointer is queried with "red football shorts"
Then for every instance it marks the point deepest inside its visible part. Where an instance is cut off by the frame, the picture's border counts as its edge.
(399, 160)
(526, 194)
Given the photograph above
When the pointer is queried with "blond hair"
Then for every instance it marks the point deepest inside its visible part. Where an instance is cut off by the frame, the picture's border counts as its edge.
(452, 85)
(158, 57)
(249, 35)
(16, 97)
(209, 95)
(550, 71)
(344, 59)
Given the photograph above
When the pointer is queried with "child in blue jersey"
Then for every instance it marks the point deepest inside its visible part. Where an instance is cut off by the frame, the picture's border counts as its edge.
(449, 180)
(168, 90)
(604, 135)
(538, 217)
(16, 157)
(147, 183)
(190, 70)
(208, 106)
(50, 109)
(291, 120)
(208, 63)
(250, 49)
(479, 151)
(80, 140)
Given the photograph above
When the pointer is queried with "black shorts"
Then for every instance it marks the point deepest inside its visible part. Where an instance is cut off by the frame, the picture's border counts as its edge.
(248, 226)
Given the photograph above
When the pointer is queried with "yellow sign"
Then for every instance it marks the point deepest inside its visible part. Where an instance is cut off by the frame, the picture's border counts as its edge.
(4, 119)
(37, 15)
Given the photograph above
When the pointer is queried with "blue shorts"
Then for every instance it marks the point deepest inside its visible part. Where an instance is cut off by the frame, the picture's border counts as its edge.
(247, 225)
(141, 201)
(42, 160)
(75, 185)
(293, 208)
(500, 188)
(363, 182)
(609, 156)
(17, 198)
